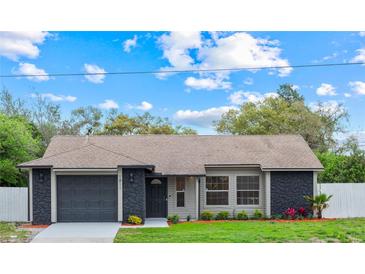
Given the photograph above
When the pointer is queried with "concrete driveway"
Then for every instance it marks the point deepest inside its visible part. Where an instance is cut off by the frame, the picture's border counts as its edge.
(78, 233)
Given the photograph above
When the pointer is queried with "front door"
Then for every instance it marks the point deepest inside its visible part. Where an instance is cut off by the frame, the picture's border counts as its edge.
(156, 197)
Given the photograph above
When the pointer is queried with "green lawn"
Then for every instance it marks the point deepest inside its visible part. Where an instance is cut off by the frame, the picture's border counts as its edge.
(9, 233)
(341, 230)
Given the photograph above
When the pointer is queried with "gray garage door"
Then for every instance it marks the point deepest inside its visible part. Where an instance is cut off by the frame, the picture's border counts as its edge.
(87, 198)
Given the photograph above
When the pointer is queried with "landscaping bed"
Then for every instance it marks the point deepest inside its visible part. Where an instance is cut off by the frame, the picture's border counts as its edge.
(251, 231)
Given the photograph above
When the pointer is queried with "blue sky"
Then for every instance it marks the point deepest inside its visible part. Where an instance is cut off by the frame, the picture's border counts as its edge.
(190, 99)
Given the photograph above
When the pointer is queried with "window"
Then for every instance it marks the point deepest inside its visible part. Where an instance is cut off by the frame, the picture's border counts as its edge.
(180, 191)
(217, 190)
(248, 190)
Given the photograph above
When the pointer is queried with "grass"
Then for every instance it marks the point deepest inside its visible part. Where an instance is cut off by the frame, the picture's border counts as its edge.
(341, 230)
(10, 233)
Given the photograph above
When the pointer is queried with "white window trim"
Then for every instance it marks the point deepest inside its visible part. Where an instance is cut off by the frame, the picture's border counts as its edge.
(260, 191)
(206, 190)
(178, 191)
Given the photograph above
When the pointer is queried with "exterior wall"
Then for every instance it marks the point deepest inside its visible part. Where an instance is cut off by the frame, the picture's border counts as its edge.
(288, 189)
(134, 194)
(190, 198)
(232, 207)
(41, 196)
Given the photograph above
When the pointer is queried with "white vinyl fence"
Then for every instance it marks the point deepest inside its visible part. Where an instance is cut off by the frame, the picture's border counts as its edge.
(14, 204)
(348, 200)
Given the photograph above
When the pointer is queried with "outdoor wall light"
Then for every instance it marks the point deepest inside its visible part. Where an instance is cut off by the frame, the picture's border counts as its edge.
(131, 178)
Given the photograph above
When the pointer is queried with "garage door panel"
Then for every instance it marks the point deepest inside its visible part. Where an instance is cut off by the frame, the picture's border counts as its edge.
(87, 198)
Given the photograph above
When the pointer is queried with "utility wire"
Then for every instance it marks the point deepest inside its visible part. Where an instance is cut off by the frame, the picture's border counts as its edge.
(179, 71)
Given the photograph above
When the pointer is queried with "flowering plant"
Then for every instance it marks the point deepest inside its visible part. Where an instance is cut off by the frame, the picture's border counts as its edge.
(290, 213)
(302, 211)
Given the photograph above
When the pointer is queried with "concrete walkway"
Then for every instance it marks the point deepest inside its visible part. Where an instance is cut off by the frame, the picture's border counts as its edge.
(78, 233)
(150, 222)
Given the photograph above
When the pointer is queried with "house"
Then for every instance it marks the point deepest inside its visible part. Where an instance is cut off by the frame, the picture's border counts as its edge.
(108, 178)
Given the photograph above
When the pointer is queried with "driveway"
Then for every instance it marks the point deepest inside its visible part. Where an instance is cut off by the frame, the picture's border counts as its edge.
(78, 233)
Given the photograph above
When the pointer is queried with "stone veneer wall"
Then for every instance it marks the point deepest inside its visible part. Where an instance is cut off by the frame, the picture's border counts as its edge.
(134, 194)
(288, 189)
(41, 196)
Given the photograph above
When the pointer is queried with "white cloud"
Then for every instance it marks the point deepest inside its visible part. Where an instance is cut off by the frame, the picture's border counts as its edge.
(248, 81)
(243, 50)
(144, 105)
(240, 97)
(35, 74)
(360, 57)
(21, 44)
(358, 87)
(207, 83)
(56, 98)
(176, 46)
(362, 33)
(96, 78)
(130, 43)
(347, 95)
(202, 118)
(108, 104)
(192, 51)
(326, 90)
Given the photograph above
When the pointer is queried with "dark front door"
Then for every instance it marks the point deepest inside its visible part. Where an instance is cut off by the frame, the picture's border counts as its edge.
(87, 198)
(156, 197)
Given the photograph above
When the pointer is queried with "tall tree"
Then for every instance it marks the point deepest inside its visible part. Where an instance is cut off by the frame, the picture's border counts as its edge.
(123, 124)
(86, 120)
(13, 107)
(289, 93)
(17, 144)
(284, 115)
(46, 116)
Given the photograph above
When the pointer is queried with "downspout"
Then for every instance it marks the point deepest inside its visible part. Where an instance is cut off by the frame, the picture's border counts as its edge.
(198, 217)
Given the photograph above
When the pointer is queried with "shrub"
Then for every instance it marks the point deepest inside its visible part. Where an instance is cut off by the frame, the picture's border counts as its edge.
(188, 218)
(206, 215)
(242, 215)
(173, 219)
(222, 215)
(257, 214)
(302, 212)
(290, 213)
(277, 216)
(133, 219)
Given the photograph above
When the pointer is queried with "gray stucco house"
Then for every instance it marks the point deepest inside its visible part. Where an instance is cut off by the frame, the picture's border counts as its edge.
(108, 178)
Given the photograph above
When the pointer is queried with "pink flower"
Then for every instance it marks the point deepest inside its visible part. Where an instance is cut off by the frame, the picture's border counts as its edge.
(301, 211)
(290, 212)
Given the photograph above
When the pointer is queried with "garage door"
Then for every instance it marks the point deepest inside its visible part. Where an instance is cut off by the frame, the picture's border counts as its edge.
(87, 198)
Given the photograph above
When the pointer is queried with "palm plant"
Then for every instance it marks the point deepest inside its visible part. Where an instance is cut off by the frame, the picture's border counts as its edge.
(319, 202)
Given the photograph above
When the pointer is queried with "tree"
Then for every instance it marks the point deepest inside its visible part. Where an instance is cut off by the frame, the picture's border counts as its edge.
(17, 144)
(319, 203)
(12, 107)
(123, 124)
(85, 120)
(346, 165)
(289, 93)
(286, 114)
(46, 116)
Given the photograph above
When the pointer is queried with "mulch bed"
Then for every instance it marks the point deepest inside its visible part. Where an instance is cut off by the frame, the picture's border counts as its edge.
(274, 221)
(33, 226)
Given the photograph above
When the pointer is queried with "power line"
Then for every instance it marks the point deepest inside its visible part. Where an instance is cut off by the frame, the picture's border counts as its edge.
(179, 71)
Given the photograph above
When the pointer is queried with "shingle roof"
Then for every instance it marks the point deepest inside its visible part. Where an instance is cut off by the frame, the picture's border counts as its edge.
(171, 154)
